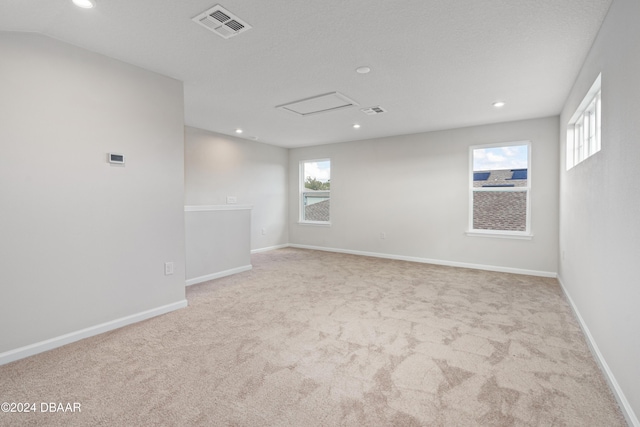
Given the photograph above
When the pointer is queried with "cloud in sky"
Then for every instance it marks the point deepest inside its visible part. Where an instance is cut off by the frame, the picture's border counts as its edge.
(318, 170)
(511, 157)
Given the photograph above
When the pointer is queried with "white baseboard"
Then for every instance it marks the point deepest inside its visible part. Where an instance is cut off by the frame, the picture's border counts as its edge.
(218, 275)
(270, 248)
(627, 410)
(433, 261)
(50, 344)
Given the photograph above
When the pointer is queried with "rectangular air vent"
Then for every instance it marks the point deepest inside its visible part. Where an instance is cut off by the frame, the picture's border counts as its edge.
(373, 110)
(116, 158)
(222, 22)
(319, 104)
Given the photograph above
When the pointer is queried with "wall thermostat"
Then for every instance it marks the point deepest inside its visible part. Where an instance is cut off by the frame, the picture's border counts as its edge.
(116, 158)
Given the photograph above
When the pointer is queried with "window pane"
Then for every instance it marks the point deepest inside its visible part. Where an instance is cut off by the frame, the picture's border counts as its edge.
(576, 158)
(580, 128)
(500, 210)
(495, 158)
(316, 191)
(587, 133)
(499, 190)
(598, 122)
(584, 127)
(592, 132)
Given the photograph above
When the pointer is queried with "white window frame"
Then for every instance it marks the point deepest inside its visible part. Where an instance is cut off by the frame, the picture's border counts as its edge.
(584, 130)
(507, 234)
(301, 190)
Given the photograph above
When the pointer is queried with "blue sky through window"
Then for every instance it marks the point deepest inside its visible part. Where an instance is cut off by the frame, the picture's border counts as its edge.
(507, 157)
(319, 170)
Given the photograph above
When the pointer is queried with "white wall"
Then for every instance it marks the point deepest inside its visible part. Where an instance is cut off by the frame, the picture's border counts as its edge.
(217, 166)
(82, 242)
(600, 203)
(414, 188)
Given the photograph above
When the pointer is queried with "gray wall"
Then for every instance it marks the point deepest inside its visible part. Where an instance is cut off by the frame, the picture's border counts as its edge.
(217, 166)
(82, 242)
(415, 189)
(218, 242)
(600, 203)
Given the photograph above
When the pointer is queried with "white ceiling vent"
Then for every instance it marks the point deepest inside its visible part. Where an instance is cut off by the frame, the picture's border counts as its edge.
(372, 111)
(222, 22)
(319, 104)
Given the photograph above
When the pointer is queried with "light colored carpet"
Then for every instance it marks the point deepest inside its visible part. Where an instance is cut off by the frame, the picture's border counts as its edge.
(320, 339)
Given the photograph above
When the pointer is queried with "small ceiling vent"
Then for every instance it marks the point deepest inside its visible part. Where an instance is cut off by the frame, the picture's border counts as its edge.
(372, 111)
(222, 22)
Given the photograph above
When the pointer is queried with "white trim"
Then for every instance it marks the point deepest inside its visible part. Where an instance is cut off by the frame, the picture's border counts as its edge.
(508, 143)
(201, 208)
(596, 86)
(315, 223)
(50, 344)
(269, 248)
(500, 235)
(218, 275)
(627, 410)
(500, 189)
(433, 261)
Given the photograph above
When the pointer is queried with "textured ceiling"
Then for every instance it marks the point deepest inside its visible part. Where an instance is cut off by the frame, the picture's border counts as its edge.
(436, 64)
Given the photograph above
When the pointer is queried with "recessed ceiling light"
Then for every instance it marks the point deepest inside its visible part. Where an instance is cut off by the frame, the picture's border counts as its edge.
(363, 70)
(238, 130)
(85, 4)
(499, 104)
(356, 126)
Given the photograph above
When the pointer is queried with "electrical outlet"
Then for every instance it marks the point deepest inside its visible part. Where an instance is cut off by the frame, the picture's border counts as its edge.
(264, 231)
(383, 236)
(232, 200)
(168, 268)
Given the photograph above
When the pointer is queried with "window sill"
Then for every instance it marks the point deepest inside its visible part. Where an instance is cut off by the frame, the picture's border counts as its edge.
(316, 224)
(517, 235)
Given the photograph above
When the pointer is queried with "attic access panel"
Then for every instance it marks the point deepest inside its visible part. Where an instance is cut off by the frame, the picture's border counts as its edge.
(319, 104)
